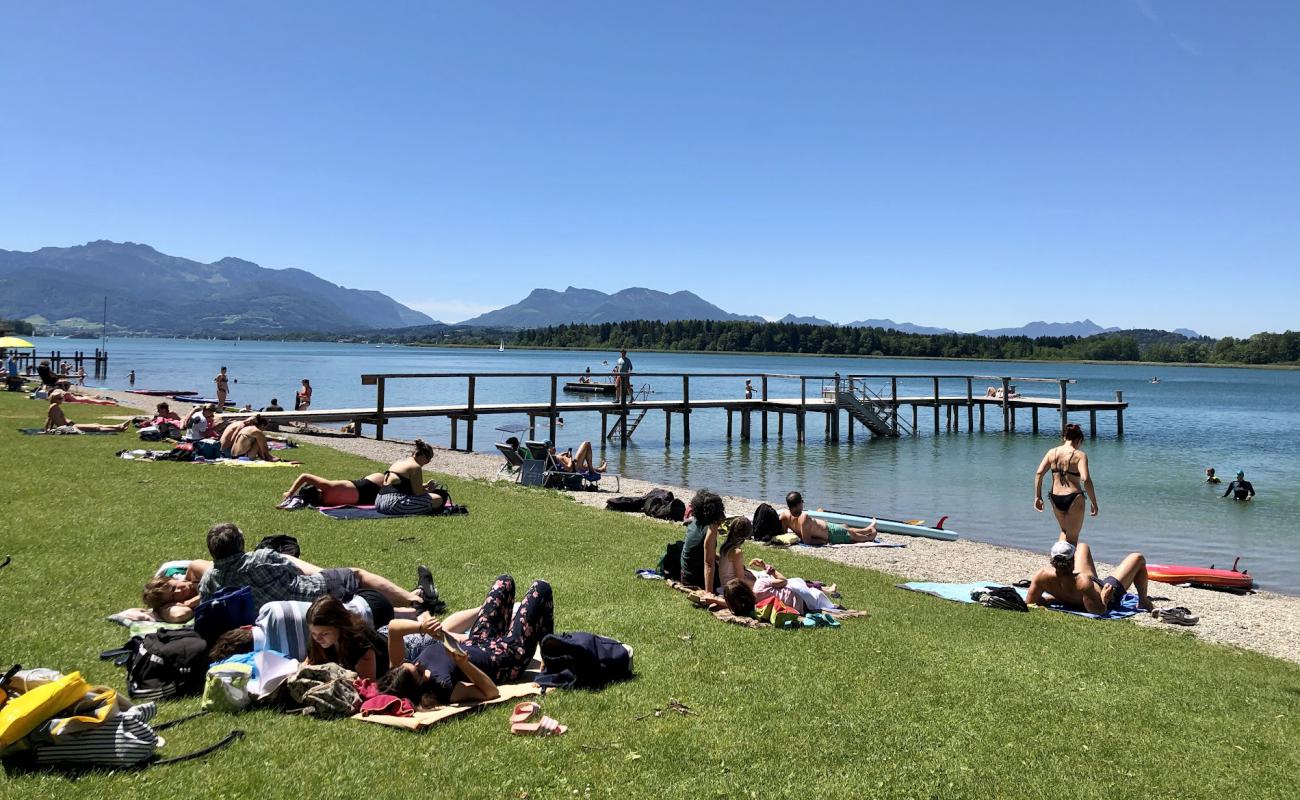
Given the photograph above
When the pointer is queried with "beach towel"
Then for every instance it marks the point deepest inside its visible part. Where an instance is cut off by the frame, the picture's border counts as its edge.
(57, 432)
(876, 543)
(960, 592)
(161, 455)
(697, 598)
(141, 621)
(369, 512)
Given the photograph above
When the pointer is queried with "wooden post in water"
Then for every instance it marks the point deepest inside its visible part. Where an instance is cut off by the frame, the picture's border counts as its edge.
(668, 425)
(452, 419)
(936, 406)
(744, 424)
(803, 410)
(914, 428)
(1119, 414)
(555, 381)
(981, 417)
(728, 424)
(970, 403)
(1092, 423)
(849, 419)
(1065, 414)
(379, 411)
(1034, 414)
(893, 405)
(764, 423)
(686, 410)
(1006, 405)
(469, 419)
(604, 428)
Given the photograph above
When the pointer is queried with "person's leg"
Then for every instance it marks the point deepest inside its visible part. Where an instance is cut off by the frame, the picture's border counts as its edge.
(90, 427)
(582, 458)
(535, 620)
(1071, 521)
(1083, 563)
(867, 534)
(1132, 571)
(459, 622)
(493, 618)
(395, 594)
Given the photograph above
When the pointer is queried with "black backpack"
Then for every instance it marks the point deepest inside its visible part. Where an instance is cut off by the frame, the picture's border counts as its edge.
(670, 566)
(162, 665)
(669, 508)
(625, 504)
(583, 661)
(767, 523)
(1003, 597)
(281, 543)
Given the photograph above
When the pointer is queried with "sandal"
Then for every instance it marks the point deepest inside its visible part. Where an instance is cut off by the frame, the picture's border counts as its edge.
(546, 727)
(524, 712)
(1178, 615)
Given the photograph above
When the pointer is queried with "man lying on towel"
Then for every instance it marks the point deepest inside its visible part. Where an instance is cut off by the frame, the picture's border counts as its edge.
(1072, 581)
(814, 531)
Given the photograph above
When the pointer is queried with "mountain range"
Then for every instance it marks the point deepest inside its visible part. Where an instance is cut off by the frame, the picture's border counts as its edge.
(151, 292)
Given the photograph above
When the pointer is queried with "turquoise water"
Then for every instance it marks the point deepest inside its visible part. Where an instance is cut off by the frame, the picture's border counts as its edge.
(1149, 483)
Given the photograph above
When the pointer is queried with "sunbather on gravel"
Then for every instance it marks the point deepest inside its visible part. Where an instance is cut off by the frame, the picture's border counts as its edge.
(811, 530)
(1072, 581)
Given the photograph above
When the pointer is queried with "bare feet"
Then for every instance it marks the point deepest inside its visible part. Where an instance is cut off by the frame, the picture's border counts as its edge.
(603, 466)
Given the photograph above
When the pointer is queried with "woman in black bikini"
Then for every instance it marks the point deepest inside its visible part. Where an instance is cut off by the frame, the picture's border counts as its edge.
(404, 492)
(361, 492)
(1071, 479)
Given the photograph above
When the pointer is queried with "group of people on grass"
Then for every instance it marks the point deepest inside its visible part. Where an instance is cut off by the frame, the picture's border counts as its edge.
(362, 621)
(400, 490)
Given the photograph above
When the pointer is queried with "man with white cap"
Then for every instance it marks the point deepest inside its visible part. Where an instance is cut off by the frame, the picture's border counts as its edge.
(1072, 581)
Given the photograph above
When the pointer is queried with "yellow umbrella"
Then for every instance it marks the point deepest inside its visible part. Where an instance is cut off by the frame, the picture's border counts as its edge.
(14, 341)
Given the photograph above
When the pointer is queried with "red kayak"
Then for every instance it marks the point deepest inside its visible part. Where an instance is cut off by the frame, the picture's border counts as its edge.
(1200, 576)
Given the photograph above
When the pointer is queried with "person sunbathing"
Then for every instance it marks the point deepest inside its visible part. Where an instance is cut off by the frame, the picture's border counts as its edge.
(404, 492)
(56, 420)
(579, 461)
(250, 441)
(172, 593)
(340, 636)
(275, 576)
(497, 649)
(796, 592)
(1072, 581)
(317, 491)
(282, 626)
(812, 530)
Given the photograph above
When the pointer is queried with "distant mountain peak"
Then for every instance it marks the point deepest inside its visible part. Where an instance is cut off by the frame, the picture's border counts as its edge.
(545, 307)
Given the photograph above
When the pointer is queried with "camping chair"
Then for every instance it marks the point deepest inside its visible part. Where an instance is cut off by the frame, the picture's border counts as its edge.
(514, 465)
(554, 475)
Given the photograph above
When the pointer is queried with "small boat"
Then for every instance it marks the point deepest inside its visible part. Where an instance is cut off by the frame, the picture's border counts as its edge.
(1155, 380)
(1201, 576)
(502, 348)
(577, 387)
(888, 525)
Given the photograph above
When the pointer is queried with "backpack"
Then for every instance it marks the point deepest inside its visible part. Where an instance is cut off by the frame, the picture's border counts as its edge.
(767, 523)
(625, 504)
(670, 566)
(1003, 597)
(281, 543)
(165, 664)
(665, 506)
(583, 661)
(231, 607)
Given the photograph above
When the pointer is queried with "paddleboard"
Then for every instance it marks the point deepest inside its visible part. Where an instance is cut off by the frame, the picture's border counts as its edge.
(172, 393)
(886, 525)
(1181, 573)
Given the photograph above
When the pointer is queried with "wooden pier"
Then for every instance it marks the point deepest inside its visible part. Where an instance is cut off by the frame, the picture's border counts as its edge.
(877, 410)
(77, 360)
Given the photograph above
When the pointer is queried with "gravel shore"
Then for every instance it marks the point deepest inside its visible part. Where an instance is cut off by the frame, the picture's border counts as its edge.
(1265, 622)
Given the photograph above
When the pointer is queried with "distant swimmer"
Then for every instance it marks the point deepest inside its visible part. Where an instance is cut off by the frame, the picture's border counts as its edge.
(1071, 480)
(1210, 477)
(1240, 489)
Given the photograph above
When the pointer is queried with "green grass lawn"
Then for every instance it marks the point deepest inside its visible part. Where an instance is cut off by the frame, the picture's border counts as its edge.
(924, 699)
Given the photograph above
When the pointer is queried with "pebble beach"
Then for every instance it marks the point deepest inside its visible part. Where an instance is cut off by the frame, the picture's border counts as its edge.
(1265, 622)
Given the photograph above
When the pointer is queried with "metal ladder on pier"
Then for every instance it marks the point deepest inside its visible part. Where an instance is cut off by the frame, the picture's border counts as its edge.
(633, 419)
(869, 408)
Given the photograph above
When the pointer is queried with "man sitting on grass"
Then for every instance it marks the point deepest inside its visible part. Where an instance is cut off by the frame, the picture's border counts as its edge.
(814, 531)
(275, 576)
(1072, 581)
(58, 422)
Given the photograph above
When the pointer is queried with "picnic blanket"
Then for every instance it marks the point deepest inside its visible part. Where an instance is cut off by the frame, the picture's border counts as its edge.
(157, 455)
(424, 719)
(56, 432)
(141, 621)
(960, 592)
(698, 599)
(369, 512)
(876, 543)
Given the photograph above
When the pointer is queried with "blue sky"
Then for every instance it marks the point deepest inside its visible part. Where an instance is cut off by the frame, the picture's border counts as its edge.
(949, 163)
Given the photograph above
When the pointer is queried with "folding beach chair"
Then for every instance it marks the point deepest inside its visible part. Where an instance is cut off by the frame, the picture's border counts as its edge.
(555, 476)
(514, 462)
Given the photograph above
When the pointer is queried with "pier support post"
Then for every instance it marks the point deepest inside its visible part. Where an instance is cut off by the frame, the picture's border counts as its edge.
(1092, 423)
(1006, 405)
(970, 403)
(799, 422)
(744, 424)
(801, 419)
(469, 419)
(835, 425)
(850, 421)
(780, 424)
(554, 395)
(1065, 414)
(893, 405)
(379, 411)
(1034, 413)
(764, 421)
(981, 417)
(914, 428)
(452, 420)
(1013, 418)
(604, 427)
(686, 409)
(668, 425)
(1119, 414)
(622, 431)
(936, 406)
(728, 424)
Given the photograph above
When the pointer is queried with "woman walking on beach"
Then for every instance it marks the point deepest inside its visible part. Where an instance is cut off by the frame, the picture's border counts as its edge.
(1071, 479)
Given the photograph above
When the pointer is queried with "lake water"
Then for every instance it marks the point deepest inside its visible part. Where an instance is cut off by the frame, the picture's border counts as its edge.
(1149, 484)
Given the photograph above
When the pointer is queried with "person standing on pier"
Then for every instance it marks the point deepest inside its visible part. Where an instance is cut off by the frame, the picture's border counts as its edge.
(623, 376)
(223, 388)
(1071, 479)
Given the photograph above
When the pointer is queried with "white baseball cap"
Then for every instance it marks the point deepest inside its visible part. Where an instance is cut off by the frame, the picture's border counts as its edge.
(1062, 552)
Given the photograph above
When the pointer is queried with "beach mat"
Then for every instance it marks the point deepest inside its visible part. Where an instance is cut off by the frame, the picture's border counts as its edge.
(43, 432)
(876, 543)
(424, 719)
(152, 456)
(369, 512)
(960, 592)
(724, 614)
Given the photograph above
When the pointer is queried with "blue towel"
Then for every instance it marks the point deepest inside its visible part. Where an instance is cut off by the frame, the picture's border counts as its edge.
(961, 593)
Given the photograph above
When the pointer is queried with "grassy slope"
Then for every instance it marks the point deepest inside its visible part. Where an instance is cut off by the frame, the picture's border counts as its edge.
(924, 699)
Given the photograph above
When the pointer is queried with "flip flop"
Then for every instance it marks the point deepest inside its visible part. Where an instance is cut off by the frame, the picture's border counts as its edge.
(524, 712)
(1178, 615)
(546, 727)
(826, 619)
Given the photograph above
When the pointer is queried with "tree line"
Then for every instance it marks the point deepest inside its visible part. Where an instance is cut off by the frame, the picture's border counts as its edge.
(781, 337)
